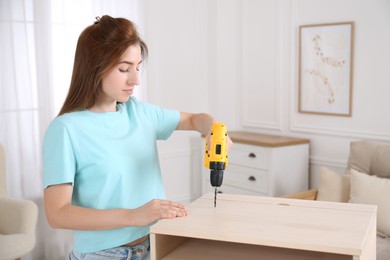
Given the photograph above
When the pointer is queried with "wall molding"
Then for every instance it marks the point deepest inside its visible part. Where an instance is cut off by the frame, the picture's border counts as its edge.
(262, 124)
(326, 162)
(329, 131)
(278, 78)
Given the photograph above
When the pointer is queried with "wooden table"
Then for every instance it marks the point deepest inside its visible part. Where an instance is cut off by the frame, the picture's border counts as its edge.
(253, 227)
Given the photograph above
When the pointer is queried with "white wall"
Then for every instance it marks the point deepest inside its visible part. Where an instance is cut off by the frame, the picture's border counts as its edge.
(238, 61)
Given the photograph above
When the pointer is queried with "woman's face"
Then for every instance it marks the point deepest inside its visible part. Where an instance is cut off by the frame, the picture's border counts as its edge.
(118, 84)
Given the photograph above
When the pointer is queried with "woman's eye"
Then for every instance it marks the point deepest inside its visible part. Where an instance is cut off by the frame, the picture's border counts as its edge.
(123, 70)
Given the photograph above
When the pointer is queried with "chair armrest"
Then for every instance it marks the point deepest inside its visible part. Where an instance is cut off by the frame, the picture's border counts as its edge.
(17, 216)
(304, 195)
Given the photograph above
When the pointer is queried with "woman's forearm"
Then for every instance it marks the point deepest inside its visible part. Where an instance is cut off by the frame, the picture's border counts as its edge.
(79, 218)
(197, 122)
(61, 214)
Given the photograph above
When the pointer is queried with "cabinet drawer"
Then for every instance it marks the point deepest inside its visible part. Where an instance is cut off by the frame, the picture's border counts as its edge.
(246, 178)
(249, 156)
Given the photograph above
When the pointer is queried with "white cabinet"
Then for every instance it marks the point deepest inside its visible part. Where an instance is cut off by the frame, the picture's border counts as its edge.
(265, 165)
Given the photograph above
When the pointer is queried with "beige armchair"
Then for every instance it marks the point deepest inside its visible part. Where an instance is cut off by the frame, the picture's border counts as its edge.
(365, 181)
(18, 219)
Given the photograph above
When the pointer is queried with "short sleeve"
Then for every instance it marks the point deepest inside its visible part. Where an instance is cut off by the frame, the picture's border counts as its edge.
(59, 164)
(164, 120)
(167, 121)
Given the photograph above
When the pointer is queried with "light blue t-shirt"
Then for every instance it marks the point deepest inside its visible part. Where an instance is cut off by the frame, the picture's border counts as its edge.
(111, 159)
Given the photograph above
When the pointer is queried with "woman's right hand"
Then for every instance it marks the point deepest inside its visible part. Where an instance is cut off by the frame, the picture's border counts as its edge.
(158, 209)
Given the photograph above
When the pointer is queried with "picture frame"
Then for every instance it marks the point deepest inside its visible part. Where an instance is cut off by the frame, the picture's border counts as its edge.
(325, 69)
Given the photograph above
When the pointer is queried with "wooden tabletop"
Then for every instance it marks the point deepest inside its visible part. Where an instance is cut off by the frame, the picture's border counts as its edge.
(265, 139)
(340, 228)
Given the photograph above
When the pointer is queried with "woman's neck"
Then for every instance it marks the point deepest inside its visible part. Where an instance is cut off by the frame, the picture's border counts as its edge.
(104, 107)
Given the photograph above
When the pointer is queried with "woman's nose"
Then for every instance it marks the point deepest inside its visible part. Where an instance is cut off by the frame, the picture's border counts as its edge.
(133, 78)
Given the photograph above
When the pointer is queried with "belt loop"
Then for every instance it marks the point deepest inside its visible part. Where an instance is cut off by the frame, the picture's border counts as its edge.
(129, 253)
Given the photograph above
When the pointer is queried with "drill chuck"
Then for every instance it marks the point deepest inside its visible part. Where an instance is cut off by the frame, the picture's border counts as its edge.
(216, 178)
(216, 173)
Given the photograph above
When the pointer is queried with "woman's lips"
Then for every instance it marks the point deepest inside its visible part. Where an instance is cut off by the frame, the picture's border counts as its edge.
(128, 91)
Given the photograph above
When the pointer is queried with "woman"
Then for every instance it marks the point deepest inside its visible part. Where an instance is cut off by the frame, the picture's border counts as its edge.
(101, 171)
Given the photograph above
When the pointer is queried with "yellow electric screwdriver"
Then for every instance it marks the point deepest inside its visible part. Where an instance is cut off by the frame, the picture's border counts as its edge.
(216, 157)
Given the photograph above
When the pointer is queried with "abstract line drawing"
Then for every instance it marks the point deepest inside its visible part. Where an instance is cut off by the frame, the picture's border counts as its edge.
(325, 87)
(325, 69)
(328, 60)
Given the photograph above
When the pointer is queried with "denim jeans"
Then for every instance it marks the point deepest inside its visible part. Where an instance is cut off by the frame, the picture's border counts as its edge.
(138, 252)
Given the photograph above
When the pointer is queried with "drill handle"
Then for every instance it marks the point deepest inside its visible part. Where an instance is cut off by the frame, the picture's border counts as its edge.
(215, 149)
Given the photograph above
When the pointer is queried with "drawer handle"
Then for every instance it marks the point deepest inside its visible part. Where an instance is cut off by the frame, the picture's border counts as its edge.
(252, 178)
(252, 155)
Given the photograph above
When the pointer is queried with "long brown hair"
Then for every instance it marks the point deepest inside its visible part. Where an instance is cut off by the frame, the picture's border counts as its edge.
(99, 48)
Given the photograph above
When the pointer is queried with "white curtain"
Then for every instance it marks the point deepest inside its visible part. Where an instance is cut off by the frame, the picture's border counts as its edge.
(37, 44)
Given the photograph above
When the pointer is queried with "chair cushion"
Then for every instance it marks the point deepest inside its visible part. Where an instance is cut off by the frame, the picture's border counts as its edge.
(370, 157)
(380, 164)
(15, 245)
(382, 248)
(3, 179)
(333, 186)
(366, 189)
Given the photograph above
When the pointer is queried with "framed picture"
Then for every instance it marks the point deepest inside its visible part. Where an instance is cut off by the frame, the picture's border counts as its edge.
(325, 69)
